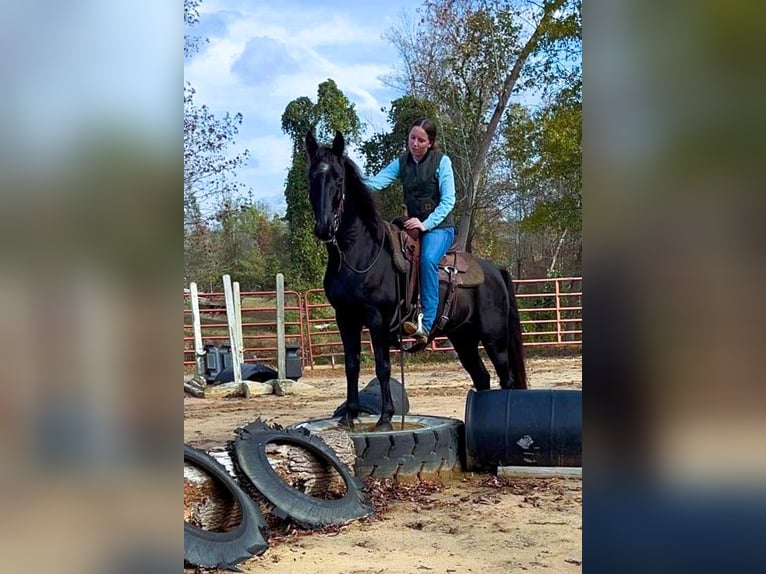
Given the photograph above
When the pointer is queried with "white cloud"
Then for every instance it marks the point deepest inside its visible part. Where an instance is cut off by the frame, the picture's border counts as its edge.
(270, 154)
(290, 48)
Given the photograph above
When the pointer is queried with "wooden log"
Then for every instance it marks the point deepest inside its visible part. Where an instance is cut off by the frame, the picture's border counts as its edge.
(193, 390)
(284, 387)
(539, 472)
(301, 469)
(194, 385)
(233, 390)
(209, 506)
(227, 390)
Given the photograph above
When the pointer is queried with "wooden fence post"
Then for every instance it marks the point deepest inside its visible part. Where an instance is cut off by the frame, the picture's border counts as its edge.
(232, 318)
(199, 350)
(281, 326)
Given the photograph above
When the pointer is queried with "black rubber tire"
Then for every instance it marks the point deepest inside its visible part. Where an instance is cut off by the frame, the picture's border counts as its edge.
(250, 372)
(433, 448)
(290, 503)
(224, 549)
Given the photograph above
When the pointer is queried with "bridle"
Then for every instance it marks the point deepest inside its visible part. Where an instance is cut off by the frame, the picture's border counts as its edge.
(338, 213)
(336, 220)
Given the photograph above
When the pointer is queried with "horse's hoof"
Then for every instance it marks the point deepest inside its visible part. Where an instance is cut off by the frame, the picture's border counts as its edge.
(346, 423)
(383, 427)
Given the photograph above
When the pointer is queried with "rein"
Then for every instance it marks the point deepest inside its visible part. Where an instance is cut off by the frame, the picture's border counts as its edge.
(354, 269)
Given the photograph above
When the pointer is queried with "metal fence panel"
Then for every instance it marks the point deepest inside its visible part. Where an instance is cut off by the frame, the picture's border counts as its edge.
(550, 310)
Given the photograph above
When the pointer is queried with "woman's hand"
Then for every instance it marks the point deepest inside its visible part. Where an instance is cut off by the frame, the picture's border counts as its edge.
(414, 223)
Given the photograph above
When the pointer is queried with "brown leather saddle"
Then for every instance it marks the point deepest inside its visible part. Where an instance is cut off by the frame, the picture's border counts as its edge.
(456, 269)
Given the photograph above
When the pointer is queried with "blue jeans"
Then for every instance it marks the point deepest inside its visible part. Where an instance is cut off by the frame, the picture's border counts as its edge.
(433, 246)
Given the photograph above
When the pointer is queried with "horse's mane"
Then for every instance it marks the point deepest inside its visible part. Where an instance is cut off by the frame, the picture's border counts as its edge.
(364, 200)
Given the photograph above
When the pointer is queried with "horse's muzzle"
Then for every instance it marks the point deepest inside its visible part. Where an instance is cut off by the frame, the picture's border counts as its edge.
(324, 232)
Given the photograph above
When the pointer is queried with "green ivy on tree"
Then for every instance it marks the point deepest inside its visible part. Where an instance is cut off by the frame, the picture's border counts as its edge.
(332, 111)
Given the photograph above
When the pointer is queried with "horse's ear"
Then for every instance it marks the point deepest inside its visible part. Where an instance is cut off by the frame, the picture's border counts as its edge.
(311, 144)
(338, 145)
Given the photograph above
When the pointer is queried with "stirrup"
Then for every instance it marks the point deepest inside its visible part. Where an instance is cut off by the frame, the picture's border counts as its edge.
(416, 332)
(411, 329)
(418, 345)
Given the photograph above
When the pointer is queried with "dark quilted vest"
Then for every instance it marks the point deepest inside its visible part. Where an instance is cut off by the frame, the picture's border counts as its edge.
(421, 186)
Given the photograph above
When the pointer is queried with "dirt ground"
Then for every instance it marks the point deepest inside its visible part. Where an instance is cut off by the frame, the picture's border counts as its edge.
(473, 523)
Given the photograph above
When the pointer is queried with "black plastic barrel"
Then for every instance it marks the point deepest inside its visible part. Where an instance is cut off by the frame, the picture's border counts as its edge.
(536, 427)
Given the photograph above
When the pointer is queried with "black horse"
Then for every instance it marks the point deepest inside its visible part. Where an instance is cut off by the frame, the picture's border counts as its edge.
(361, 285)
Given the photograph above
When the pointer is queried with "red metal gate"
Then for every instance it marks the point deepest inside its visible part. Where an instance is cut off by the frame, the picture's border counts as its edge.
(550, 310)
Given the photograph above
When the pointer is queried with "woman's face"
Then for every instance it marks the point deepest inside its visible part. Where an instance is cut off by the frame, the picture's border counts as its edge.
(418, 142)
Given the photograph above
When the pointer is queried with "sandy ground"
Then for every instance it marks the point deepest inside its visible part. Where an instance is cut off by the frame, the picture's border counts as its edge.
(473, 523)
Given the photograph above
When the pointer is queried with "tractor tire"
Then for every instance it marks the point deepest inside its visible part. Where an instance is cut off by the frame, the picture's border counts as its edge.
(224, 549)
(290, 503)
(428, 446)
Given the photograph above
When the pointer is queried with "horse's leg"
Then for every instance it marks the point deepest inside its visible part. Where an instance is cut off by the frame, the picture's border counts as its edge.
(380, 344)
(494, 336)
(466, 344)
(351, 335)
(497, 350)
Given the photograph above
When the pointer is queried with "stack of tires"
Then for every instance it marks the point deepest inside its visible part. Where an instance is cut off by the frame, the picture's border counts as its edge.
(226, 548)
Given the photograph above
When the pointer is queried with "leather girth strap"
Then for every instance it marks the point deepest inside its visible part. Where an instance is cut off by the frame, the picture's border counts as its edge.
(443, 319)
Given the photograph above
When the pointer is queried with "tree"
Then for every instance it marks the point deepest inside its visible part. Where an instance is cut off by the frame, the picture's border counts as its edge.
(191, 17)
(251, 244)
(544, 154)
(209, 168)
(469, 57)
(244, 239)
(201, 254)
(332, 111)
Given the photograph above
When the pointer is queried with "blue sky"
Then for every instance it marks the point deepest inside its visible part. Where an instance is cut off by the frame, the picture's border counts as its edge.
(263, 54)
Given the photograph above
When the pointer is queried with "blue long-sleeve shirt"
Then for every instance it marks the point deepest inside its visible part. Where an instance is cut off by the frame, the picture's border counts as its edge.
(444, 173)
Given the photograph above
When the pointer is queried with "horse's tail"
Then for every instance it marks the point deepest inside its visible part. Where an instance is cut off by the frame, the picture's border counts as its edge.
(515, 346)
